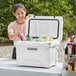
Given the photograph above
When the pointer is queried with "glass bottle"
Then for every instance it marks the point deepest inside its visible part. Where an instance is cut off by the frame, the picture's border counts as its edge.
(71, 64)
(21, 36)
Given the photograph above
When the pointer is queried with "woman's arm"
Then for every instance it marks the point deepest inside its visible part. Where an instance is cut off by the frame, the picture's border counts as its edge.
(11, 33)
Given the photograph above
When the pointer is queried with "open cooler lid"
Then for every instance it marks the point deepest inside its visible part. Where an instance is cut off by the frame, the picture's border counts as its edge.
(42, 26)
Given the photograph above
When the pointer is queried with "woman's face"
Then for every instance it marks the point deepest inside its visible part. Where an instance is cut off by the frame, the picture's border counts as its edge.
(20, 14)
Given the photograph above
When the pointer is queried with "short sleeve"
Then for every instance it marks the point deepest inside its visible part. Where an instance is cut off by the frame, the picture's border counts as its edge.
(10, 28)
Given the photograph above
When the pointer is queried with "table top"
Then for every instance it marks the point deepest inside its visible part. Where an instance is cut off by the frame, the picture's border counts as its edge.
(11, 64)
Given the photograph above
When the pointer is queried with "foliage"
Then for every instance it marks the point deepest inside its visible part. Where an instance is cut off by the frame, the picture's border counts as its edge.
(39, 7)
(2, 39)
(73, 2)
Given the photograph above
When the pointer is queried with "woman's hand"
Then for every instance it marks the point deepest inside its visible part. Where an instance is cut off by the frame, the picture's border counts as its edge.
(30, 15)
(10, 33)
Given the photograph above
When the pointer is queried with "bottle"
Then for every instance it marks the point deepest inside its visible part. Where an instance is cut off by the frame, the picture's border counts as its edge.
(74, 66)
(47, 38)
(69, 49)
(75, 43)
(71, 64)
(75, 38)
(71, 39)
(71, 46)
(73, 49)
(40, 39)
(66, 50)
(30, 38)
(21, 36)
(51, 38)
(66, 67)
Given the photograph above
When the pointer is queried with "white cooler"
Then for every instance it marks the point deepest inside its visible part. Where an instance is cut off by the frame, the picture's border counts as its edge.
(40, 54)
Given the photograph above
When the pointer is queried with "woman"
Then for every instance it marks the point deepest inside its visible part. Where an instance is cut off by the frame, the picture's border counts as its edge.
(16, 29)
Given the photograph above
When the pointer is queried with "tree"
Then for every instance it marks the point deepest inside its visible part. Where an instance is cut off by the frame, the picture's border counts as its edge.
(37, 7)
(73, 2)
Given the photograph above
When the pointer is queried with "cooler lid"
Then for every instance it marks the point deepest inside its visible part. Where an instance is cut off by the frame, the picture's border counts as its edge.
(42, 26)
